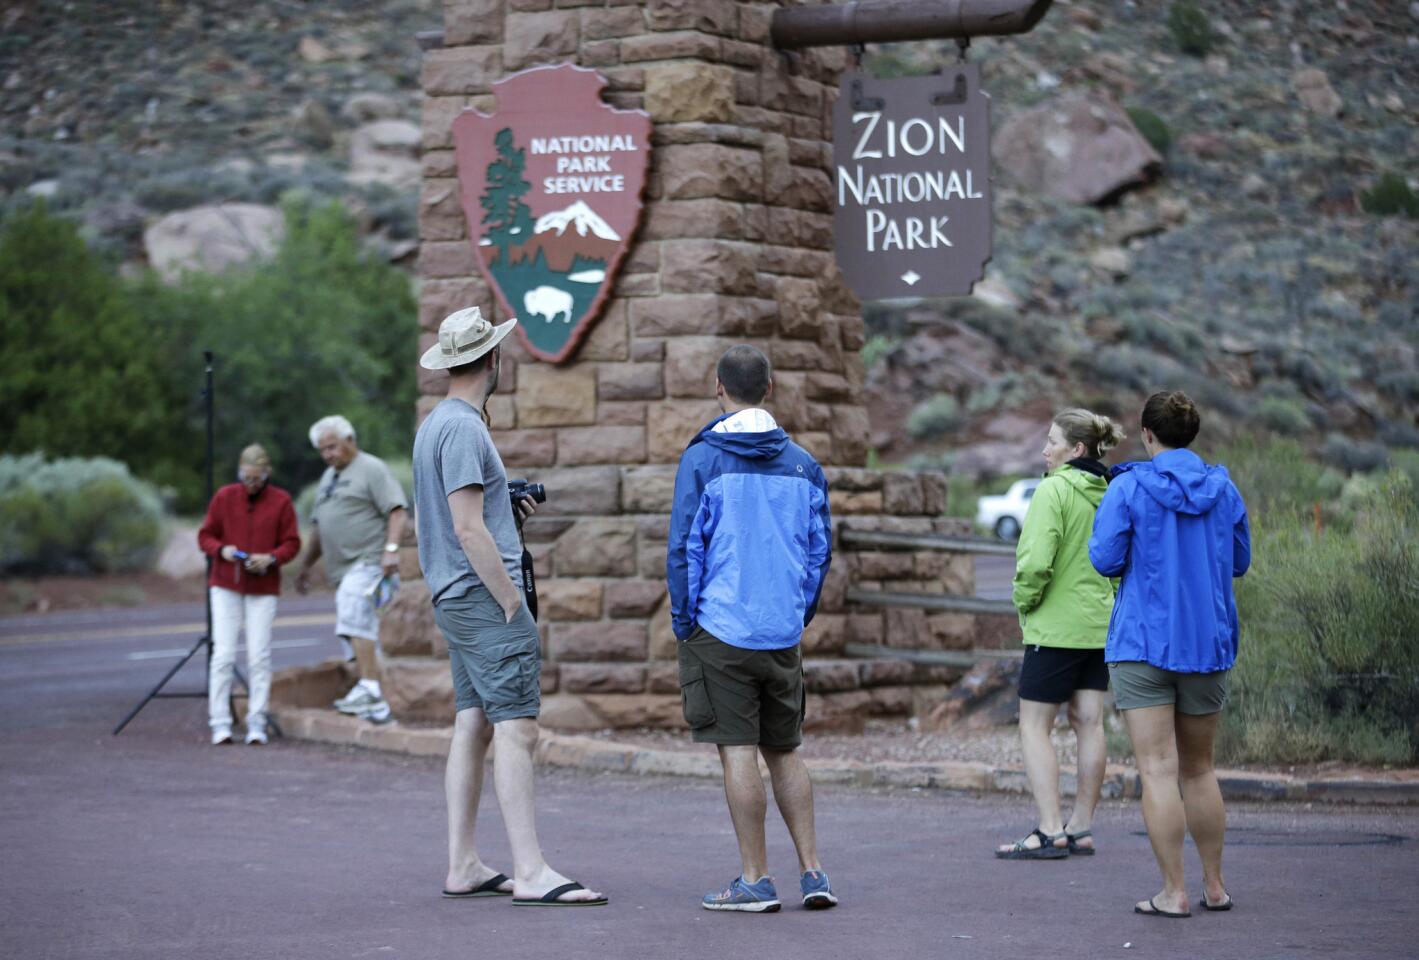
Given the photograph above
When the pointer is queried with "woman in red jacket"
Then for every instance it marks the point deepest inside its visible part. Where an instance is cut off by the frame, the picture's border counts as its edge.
(249, 532)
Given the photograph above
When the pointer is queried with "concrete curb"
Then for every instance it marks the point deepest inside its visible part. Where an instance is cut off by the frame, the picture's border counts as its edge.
(590, 753)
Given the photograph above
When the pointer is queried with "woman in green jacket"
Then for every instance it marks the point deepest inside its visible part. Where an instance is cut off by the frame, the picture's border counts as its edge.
(1064, 615)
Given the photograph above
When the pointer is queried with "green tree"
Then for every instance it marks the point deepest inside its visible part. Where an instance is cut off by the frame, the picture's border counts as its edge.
(508, 219)
(82, 372)
(326, 327)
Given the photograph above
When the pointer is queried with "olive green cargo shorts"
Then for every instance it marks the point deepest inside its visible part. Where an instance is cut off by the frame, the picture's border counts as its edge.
(1138, 684)
(738, 697)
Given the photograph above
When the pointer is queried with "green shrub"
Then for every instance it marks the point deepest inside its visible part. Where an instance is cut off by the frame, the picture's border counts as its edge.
(877, 347)
(75, 516)
(1390, 197)
(1328, 667)
(1285, 416)
(1277, 480)
(1354, 456)
(1152, 128)
(931, 418)
(1190, 28)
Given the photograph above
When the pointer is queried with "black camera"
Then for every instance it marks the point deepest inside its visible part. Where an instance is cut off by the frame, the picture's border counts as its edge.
(517, 489)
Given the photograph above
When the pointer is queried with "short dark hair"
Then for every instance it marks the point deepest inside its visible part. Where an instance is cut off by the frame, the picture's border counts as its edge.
(745, 372)
(1173, 418)
(473, 366)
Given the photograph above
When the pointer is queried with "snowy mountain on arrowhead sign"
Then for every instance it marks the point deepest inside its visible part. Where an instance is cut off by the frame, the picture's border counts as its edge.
(551, 189)
(580, 216)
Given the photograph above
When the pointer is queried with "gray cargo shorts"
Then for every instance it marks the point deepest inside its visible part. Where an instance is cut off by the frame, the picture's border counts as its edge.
(496, 665)
(1138, 684)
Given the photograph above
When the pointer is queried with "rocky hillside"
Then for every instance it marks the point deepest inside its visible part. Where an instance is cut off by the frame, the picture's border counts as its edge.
(120, 113)
(1246, 270)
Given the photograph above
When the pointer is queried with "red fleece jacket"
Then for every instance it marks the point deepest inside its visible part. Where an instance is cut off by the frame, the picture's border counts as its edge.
(265, 523)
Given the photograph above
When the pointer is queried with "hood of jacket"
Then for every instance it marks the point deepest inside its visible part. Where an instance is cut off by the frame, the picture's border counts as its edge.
(750, 446)
(1182, 482)
(1091, 487)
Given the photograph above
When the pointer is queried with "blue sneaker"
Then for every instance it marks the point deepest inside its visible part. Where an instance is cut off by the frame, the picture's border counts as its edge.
(817, 893)
(757, 897)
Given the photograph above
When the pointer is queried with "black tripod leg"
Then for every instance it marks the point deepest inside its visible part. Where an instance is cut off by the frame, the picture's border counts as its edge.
(161, 683)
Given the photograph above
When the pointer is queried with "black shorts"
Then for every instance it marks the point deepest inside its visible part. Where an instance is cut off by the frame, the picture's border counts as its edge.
(1052, 674)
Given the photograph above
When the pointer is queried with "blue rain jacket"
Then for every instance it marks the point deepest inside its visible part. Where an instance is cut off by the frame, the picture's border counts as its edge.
(750, 539)
(1175, 529)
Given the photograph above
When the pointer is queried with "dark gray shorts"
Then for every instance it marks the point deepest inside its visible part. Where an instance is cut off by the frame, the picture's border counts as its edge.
(496, 665)
(1138, 684)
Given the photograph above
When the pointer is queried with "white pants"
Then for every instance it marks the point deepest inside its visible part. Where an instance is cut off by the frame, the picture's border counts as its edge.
(229, 610)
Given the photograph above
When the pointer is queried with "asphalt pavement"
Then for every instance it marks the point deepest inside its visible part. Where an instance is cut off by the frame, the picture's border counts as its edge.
(153, 844)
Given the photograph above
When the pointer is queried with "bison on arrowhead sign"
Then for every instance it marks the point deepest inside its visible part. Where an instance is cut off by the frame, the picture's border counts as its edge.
(551, 187)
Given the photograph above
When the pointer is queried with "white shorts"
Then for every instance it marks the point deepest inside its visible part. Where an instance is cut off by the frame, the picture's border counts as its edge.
(354, 610)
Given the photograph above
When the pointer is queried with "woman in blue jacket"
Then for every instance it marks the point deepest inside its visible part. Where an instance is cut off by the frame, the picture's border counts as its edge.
(1175, 530)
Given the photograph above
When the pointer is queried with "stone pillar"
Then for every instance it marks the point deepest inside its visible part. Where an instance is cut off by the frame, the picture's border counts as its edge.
(735, 246)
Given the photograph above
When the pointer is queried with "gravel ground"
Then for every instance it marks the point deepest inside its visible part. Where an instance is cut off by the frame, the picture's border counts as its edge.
(885, 741)
(1000, 746)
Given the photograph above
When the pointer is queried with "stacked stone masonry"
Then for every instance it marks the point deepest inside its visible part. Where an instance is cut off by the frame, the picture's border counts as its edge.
(735, 246)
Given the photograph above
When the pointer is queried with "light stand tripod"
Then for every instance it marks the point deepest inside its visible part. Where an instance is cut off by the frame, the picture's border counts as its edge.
(205, 641)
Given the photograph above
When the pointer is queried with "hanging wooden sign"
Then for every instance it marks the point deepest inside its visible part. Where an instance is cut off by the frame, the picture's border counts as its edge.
(911, 159)
(551, 187)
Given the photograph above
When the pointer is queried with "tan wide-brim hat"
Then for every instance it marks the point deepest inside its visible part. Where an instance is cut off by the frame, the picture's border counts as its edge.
(464, 337)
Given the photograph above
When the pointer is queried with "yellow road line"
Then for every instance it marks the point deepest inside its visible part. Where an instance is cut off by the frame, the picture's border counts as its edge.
(156, 630)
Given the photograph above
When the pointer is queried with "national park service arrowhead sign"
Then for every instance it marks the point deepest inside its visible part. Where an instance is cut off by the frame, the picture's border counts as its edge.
(911, 185)
(551, 188)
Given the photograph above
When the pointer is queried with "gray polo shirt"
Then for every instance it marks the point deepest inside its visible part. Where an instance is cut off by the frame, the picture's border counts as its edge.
(352, 508)
(451, 451)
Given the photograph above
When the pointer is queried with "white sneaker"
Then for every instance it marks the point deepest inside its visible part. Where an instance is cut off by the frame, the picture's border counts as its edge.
(357, 700)
(257, 736)
(221, 735)
(377, 712)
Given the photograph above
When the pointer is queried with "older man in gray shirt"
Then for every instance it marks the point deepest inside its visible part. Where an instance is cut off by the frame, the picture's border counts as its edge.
(470, 550)
(357, 523)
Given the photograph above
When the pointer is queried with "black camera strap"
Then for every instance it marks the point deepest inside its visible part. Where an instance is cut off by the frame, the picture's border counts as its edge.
(529, 583)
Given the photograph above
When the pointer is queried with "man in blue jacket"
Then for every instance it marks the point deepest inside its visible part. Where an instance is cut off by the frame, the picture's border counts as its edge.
(750, 540)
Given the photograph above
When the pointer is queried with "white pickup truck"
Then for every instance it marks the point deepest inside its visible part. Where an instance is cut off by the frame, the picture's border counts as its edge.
(1005, 514)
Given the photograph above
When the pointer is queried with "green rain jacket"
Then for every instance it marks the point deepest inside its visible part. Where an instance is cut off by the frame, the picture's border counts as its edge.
(1063, 601)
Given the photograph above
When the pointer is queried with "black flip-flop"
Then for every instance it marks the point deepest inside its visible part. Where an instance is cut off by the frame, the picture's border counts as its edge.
(1215, 907)
(488, 888)
(1074, 847)
(549, 899)
(1155, 912)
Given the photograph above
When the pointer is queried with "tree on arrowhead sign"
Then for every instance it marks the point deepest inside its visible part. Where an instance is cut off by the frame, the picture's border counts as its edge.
(551, 187)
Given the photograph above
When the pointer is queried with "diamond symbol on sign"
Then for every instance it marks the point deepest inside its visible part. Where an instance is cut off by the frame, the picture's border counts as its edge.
(911, 277)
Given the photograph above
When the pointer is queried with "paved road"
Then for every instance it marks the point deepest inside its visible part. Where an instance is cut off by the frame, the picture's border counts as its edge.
(154, 845)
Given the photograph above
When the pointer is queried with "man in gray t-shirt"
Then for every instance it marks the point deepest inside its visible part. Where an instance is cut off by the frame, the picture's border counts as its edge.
(471, 554)
(454, 450)
(357, 524)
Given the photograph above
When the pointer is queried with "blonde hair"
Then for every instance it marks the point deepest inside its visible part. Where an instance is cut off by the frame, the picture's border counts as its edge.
(254, 455)
(1097, 433)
